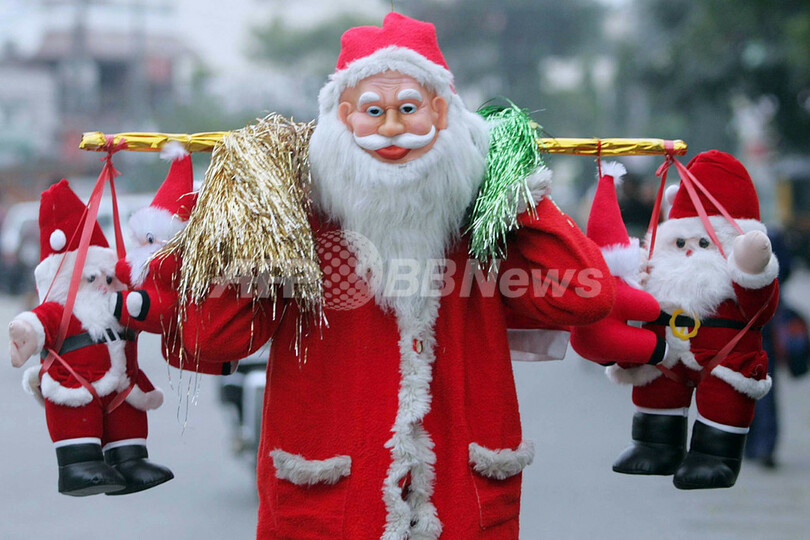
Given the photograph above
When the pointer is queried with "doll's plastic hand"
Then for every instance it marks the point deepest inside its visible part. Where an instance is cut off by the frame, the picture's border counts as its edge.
(752, 251)
(22, 342)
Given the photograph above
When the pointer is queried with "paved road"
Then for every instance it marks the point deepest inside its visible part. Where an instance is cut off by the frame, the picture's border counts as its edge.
(579, 420)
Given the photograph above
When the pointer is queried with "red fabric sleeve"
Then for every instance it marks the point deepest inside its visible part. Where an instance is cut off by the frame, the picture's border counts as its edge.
(634, 304)
(228, 327)
(751, 300)
(50, 315)
(569, 282)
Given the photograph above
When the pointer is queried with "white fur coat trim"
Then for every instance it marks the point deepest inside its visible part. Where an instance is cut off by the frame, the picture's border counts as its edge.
(308, 472)
(753, 281)
(411, 445)
(391, 58)
(502, 463)
(624, 261)
(114, 380)
(145, 401)
(752, 388)
(31, 318)
(539, 184)
(31, 384)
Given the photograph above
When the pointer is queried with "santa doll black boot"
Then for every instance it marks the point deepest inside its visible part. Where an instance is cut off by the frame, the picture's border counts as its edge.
(659, 445)
(139, 472)
(713, 460)
(82, 471)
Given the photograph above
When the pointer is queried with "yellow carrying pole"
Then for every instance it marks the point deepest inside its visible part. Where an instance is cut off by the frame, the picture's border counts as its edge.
(205, 142)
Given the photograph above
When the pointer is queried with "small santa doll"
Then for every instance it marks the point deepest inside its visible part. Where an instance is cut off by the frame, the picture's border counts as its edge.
(95, 396)
(714, 301)
(151, 303)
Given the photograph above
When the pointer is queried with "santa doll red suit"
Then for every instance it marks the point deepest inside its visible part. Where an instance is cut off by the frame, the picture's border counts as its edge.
(707, 301)
(399, 418)
(151, 303)
(612, 340)
(100, 439)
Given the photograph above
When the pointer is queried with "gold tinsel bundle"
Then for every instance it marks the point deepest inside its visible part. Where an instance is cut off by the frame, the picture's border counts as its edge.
(250, 224)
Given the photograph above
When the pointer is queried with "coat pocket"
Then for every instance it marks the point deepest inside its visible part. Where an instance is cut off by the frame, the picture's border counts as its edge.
(497, 478)
(310, 495)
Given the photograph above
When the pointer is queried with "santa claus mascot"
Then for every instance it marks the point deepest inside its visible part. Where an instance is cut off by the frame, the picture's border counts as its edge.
(398, 418)
(714, 298)
(95, 396)
(150, 304)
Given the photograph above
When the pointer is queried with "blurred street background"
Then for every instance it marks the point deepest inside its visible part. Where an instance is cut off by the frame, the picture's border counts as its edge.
(732, 76)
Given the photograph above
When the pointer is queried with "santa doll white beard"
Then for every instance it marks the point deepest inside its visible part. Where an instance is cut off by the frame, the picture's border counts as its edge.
(409, 212)
(93, 310)
(138, 259)
(697, 284)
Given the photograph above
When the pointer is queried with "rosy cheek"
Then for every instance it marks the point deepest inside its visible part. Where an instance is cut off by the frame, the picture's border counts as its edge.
(363, 124)
(418, 122)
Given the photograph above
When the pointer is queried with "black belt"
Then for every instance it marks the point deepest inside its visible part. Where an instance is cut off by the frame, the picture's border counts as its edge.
(79, 341)
(712, 322)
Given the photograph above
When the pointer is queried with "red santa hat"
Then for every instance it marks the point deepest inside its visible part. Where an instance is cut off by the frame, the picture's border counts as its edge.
(606, 227)
(402, 44)
(730, 184)
(61, 220)
(173, 202)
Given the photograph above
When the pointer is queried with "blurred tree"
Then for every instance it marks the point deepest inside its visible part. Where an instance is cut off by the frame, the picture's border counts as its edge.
(493, 48)
(692, 59)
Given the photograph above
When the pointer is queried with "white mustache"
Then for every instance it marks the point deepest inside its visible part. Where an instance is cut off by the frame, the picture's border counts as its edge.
(410, 141)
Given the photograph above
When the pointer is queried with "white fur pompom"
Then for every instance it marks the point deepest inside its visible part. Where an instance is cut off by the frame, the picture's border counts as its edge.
(135, 304)
(172, 151)
(58, 240)
(614, 169)
(669, 194)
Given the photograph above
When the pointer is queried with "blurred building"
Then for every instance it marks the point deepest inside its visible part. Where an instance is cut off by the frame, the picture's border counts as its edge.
(78, 72)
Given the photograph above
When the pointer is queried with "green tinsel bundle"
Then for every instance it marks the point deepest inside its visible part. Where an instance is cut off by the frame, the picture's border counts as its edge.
(513, 156)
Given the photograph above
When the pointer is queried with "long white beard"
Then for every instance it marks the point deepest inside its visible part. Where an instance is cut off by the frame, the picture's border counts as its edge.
(411, 211)
(94, 310)
(697, 284)
(138, 259)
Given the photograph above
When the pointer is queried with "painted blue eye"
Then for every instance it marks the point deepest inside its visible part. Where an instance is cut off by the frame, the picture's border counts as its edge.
(408, 108)
(374, 111)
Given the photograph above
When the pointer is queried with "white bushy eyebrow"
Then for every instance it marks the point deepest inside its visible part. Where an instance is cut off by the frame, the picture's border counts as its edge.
(367, 97)
(409, 93)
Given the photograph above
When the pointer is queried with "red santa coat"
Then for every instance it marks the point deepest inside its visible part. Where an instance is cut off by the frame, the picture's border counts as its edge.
(728, 396)
(391, 427)
(109, 366)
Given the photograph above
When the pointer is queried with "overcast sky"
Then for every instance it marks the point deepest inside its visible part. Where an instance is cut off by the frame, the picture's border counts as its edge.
(217, 30)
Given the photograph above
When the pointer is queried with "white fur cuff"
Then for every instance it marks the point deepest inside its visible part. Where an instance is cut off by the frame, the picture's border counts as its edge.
(307, 472)
(30, 383)
(636, 376)
(503, 463)
(135, 304)
(753, 388)
(753, 281)
(538, 345)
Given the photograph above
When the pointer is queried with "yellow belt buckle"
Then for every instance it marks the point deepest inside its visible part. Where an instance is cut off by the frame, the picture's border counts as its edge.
(679, 332)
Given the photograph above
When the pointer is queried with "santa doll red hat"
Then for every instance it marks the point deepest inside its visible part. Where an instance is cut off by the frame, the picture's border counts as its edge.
(61, 219)
(612, 340)
(154, 225)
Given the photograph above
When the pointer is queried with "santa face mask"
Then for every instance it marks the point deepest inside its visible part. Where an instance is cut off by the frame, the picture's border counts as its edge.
(393, 117)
